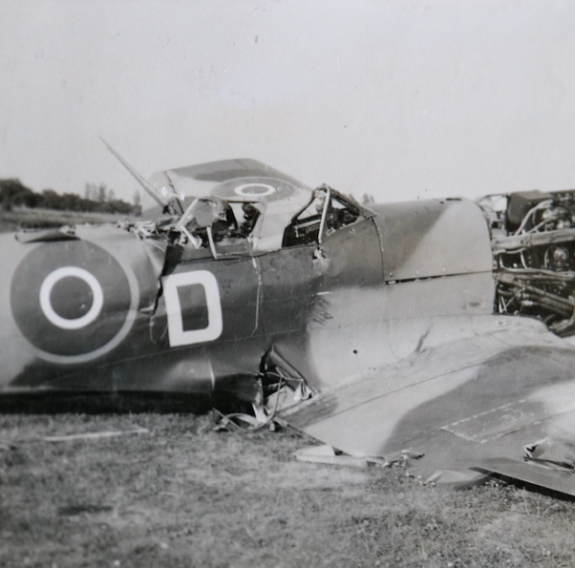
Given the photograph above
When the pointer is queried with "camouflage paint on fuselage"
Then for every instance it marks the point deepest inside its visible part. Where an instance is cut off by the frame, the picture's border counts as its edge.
(386, 313)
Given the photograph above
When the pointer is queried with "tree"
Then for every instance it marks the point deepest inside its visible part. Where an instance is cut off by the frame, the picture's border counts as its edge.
(13, 193)
(96, 198)
(91, 192)
(137, 203)
(51, 200)
(102, 195)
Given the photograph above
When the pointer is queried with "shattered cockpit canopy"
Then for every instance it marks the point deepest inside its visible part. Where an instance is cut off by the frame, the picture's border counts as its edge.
(276, 196)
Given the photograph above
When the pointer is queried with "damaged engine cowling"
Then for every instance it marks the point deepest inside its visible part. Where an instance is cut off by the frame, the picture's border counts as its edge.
(533, 241)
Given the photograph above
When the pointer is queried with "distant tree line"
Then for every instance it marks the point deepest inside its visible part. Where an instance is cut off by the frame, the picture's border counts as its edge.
(97, 199)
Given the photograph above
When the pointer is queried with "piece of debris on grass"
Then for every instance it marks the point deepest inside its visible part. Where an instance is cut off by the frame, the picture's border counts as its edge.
(73, 510)
(239, 421)
(327, 455)
(95, 435)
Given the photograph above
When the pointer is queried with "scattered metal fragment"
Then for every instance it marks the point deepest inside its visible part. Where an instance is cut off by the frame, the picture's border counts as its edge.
(552, 453)
(95, 435)
(79, 509)
(327, 455)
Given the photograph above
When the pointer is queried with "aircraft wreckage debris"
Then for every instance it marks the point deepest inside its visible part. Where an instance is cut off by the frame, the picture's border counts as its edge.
(435, 325)
(95, 435)
(82, 436)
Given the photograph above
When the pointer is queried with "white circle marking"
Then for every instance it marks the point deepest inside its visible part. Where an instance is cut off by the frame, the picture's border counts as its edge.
(241, 189)
(75, 272)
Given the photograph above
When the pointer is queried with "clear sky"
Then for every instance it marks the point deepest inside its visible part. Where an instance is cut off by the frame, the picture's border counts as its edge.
(399, 99)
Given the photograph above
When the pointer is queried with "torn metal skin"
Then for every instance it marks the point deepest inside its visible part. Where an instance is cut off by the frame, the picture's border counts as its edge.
(381, 331)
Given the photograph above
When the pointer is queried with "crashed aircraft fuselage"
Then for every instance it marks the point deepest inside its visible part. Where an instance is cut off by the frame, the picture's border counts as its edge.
(392, 320)
(116, 308)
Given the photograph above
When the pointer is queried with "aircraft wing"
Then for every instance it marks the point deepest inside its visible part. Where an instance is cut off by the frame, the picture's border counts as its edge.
(503, 394)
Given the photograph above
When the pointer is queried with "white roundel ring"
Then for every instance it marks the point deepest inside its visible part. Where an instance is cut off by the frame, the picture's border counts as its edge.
(254, 189)
(73, 301)
(71, 272)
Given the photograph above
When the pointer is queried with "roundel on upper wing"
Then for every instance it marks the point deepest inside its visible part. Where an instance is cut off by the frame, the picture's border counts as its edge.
(254, 188)
(72, 300)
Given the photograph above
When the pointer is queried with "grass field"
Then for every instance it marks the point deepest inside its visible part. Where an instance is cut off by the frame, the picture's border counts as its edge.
(184, 495)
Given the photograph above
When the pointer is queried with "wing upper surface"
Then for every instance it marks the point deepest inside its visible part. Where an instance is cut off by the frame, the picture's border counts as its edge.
(460, 404)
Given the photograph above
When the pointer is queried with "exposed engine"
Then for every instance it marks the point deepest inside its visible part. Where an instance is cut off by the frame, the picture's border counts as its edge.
(533, 241)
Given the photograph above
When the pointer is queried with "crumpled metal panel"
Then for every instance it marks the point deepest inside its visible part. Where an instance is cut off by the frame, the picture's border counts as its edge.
(424, 239)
